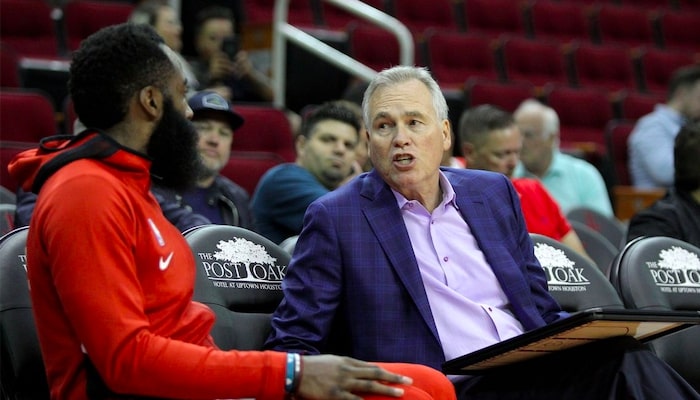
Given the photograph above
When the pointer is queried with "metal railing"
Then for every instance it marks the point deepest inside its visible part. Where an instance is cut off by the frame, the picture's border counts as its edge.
(283, 32)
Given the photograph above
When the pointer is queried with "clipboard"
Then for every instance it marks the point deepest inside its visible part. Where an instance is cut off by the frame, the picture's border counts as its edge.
(575, 330)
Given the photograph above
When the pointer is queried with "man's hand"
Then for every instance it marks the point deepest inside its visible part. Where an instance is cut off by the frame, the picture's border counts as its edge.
(332, 377)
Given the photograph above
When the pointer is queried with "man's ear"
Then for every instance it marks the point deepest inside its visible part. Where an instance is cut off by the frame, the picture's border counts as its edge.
(468, 152)
(151, 101)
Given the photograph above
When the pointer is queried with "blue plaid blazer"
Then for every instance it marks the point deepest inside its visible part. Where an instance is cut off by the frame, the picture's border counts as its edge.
(353, 286)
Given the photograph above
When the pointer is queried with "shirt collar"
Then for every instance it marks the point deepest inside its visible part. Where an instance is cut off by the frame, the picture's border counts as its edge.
(448, 194)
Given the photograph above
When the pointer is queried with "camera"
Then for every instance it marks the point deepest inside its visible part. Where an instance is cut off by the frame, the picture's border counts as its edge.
(230, 47)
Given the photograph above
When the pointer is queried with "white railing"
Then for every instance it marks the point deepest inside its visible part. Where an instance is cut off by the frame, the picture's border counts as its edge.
(283, 32)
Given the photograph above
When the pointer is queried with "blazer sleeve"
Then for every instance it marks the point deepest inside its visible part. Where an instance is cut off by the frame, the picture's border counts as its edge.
(316, 262)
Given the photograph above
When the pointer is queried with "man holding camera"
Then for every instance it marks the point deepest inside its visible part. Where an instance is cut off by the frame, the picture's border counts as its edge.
(221, 66)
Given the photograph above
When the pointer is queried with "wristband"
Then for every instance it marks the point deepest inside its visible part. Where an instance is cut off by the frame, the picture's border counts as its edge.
(293, 375)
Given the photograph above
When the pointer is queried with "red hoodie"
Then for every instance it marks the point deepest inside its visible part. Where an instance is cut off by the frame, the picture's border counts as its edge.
(111, 279)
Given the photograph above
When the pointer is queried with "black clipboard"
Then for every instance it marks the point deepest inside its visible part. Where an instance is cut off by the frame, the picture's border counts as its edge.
(579, 328)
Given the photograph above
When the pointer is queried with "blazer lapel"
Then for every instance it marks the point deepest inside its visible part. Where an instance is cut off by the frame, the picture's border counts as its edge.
(382, 214)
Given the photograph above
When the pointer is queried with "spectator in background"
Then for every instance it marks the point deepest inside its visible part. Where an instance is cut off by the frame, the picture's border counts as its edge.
(491, 141)
(215, 198)
(163, 18)
(325, 160)
(112, 279)
(677, 215)
(573, 182)
(650, 145)
(221, 65)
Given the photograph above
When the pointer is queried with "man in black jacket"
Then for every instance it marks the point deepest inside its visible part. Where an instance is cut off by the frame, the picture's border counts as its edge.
(677, 215)
(215, 199)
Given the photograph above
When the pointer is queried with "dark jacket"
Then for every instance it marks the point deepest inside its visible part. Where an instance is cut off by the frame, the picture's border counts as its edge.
(676, 215)
(233, 201)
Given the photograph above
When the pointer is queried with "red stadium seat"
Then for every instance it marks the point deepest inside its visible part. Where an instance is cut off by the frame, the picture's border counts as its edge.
(534, 61)
(583, 115)
(376, 47)
(247, 167)
(336, 18)
(259, 12)
(634, 105)
(85, 17)
(562, 21)
(625, 25)
(266, 129)
(8, 150)
(616, 133)
(9, 67)
(679, 31)
(656, 67)
(507, 96)
(494, 17)
(608, 67)
(454, 57)
(27, 115)
(419, 15)
(26, 26)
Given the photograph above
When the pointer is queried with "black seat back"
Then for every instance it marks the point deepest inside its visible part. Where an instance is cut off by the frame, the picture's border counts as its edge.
(22, 375)
(662, 273)
(239, 275)
(574, 281)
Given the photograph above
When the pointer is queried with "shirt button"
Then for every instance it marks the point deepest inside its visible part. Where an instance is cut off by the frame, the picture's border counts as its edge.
(445, 259)
(490, 310)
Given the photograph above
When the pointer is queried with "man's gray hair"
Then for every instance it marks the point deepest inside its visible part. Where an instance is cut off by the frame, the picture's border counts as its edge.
(550, 119)
(401, 74)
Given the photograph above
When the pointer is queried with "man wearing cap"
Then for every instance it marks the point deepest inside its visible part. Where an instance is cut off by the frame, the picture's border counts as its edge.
(215, 199)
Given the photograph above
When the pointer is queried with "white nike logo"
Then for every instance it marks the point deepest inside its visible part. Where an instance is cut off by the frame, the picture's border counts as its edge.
(163, 264)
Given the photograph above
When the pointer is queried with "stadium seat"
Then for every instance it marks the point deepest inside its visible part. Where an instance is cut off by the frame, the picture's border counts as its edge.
(494, 17)
(616, 133)
(238, 276)
(597, 246)
(506, 95)
(27, 115)
(85, 17)
(583, 114)
(22, 373)
(678, 31)
(560, 20)
(610, 227)
(375, 47)
(338, 19)
(266, 129)
(662, 273)
(634, 105)
(9, 67)
(607, 67)
(455, 57)
(27, 26)
(247, 167)
(534, 61)
(624, 25)
(574, 281)
(419, 15)
(657, 65)
(300, 13)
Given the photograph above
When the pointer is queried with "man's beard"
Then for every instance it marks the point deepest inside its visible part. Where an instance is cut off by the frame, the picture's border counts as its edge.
(173, 149)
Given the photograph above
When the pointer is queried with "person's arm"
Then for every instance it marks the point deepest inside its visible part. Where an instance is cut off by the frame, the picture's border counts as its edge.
(653, 221)
(653, 148)
(180, 215)
(24, 208)
(243, 68)
(287, 195)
